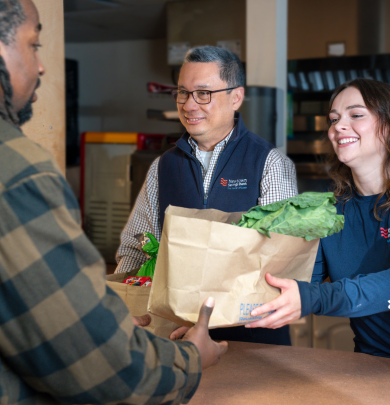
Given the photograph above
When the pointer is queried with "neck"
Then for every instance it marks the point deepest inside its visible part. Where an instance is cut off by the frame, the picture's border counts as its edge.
(369, 182)
(209, 144)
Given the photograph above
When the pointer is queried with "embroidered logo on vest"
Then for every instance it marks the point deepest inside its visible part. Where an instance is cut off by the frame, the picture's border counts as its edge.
(385, 234)
(239, 184)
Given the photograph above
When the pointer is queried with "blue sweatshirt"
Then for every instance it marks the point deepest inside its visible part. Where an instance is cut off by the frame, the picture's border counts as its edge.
(357, 261)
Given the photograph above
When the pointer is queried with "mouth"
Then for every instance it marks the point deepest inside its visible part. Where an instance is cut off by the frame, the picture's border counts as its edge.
(346, 141)
(34, 97)
(194, 120)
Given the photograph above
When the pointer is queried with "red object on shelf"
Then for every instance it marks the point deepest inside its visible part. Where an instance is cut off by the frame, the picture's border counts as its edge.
(160, 88)
(149, 141)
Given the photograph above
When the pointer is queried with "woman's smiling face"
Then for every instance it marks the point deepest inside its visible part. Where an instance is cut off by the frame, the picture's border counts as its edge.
(353, 131)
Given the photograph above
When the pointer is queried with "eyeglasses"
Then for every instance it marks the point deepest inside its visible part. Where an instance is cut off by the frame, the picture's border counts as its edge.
(200, 96)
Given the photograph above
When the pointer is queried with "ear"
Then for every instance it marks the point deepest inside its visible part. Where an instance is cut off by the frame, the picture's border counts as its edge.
(238, 97)
(2, 49)
(2, 64)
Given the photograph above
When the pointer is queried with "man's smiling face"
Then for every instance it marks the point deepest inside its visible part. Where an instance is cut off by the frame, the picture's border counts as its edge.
(207, 123)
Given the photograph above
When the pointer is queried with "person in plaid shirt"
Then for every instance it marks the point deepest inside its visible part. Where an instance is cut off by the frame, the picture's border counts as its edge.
(64, 336)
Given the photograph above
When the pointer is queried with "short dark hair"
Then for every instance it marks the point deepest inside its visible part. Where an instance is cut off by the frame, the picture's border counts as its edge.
(231, 69)
(11, 17)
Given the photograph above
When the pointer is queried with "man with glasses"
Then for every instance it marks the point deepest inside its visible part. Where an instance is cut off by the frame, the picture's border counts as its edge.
(202, 169)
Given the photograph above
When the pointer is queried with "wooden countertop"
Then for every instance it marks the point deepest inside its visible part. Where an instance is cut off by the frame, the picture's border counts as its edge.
(261, 374)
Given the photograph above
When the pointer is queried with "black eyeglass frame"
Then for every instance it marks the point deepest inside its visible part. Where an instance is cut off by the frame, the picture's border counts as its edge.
(176, 92)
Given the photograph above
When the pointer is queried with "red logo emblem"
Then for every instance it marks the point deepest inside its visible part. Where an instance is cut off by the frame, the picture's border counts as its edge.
(223, 182)
(385, 233)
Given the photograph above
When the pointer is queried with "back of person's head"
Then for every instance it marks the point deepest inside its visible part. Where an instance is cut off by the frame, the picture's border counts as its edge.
(231, 69)
(376, 97)
(11, 17)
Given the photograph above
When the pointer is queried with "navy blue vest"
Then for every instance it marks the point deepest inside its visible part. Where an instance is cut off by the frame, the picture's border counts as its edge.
(235, 185)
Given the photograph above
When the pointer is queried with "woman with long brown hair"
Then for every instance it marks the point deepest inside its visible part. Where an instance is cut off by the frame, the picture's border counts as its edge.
(357, 259)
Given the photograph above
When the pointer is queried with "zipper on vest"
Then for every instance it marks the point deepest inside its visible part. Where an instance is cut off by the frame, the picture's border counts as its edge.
(205, 197)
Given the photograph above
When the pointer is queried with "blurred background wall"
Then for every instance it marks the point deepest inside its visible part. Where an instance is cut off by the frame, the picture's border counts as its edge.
(112, 85)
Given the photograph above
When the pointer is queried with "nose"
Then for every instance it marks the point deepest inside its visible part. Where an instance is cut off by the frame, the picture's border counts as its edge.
(342, 124)
(41, 68)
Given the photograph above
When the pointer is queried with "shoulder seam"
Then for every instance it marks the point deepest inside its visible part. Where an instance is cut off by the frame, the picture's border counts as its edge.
(27, 178)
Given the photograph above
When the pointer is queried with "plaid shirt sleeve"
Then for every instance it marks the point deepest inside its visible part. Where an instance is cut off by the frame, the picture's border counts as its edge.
(279, 179)
(64, 335)
(143, 218)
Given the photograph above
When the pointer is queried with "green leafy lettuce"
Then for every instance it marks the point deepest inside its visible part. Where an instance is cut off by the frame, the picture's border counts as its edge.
(309, 215)
(151, 249)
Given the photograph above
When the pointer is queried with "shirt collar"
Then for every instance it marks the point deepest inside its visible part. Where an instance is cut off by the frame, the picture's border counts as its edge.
(223, 143)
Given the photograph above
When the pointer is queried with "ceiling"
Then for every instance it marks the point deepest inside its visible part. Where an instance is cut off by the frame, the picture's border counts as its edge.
(114, 20)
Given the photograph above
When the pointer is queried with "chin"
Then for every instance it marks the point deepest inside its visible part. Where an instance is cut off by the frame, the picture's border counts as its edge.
(195, 133)
(347, 161)
(195, 130)
(26, 113)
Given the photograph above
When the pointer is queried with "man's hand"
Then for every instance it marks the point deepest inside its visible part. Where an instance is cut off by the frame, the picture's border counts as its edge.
(287, 306)
(210, 351)
(179, 333)
(142, 321)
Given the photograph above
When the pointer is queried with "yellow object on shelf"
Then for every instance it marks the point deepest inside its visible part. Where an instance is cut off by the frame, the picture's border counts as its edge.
(111, 137)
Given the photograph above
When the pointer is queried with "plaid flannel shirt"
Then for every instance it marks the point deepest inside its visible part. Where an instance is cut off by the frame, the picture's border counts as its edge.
(278, 182)
(64, 336)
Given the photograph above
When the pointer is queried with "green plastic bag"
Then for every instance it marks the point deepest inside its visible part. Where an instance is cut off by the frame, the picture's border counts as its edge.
(151, 249)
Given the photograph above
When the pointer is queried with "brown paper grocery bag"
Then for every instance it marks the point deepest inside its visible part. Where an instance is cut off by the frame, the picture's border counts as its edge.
(201, 255)
(136, 299)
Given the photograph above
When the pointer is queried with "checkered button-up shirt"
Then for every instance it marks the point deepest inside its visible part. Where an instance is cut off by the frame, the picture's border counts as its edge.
(64, 336)
(278, 182)
(207, 173)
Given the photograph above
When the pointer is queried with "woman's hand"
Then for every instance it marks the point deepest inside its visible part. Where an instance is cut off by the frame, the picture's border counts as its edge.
(286, 308)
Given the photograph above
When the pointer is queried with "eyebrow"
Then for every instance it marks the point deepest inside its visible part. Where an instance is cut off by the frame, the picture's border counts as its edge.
(350, 108)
